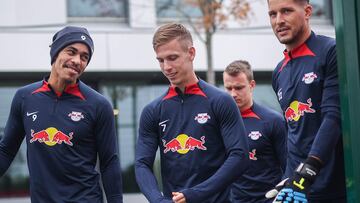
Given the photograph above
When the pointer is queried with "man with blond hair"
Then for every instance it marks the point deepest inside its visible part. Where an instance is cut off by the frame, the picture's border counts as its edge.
(197, 128)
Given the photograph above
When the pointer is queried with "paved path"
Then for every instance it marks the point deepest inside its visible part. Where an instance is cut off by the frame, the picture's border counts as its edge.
(128, 198)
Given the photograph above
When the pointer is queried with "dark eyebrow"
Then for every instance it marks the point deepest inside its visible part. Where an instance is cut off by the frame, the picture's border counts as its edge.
(76, 50)
(72, 48)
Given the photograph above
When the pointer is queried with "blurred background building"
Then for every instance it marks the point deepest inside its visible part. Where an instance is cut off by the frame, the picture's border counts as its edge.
(123, 67)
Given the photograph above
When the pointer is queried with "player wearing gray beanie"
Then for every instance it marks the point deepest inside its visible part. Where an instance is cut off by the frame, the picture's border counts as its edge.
(69, 35)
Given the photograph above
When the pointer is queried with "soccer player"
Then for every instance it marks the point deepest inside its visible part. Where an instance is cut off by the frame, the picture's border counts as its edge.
(306, 84)
(197, 127)
(67, 126)
(266, 134)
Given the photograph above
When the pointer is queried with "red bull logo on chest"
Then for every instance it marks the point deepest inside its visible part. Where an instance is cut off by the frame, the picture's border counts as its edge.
(252, 155)
(183, 143)
(51, 136)
(298, 109)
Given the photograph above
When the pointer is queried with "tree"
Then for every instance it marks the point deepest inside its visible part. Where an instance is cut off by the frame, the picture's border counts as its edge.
(206, 17)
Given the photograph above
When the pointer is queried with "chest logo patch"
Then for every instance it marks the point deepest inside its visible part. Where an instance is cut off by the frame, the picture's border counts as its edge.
(32, 114)
(309, 77)
(255, 135)
(279, 94)
(252, 155)
(202, 118)
(51, 136)
(298, 109)
(183, 143)
(76, 116)
(163, 124)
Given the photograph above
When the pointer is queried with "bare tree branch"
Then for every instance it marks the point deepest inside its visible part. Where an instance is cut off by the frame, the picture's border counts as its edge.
(214, 15)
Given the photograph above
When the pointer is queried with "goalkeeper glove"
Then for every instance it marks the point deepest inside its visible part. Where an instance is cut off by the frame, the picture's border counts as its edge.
(296, 188)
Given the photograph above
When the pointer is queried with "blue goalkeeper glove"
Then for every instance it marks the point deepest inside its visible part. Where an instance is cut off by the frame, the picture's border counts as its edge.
(296, 188)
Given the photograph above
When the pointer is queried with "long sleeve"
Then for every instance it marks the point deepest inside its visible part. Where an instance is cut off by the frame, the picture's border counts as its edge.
(235, 141)
(330, 130)
(146, 147)
(108, 154)
(13, 136)
(279, 141)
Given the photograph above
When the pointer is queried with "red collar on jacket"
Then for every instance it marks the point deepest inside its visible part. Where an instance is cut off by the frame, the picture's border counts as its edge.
(72, 89)
(249, 113)
(190, 89)
(302, 50)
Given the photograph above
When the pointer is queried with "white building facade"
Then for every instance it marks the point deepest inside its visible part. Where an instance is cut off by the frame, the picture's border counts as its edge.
(123, 67)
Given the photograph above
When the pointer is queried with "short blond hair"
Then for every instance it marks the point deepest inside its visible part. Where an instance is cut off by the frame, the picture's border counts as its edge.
(171, 31)
(240, 66)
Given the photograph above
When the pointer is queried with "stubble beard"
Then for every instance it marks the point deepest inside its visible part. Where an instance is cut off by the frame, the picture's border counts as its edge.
(295, 36)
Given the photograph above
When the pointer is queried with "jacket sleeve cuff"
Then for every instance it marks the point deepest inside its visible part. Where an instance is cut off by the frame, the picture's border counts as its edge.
(191, 196)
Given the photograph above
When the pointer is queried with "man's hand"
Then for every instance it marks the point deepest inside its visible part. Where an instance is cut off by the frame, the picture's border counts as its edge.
(272, 193)
(297, 187)
(178, 197)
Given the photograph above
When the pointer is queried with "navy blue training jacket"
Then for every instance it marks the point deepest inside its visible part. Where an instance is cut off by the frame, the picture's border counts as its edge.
(306, 83)
(64, 134)
(202, 142)
(266, 134)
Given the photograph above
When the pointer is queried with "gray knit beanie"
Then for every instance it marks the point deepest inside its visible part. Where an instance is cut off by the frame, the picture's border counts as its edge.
(69, 35)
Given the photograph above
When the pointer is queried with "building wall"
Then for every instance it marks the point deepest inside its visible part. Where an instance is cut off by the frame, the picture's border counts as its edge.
(119, 46)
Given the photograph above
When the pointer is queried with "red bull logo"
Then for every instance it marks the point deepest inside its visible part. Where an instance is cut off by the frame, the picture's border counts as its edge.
(298, 109)
(51, 136)
(41, 136)
(183, 143)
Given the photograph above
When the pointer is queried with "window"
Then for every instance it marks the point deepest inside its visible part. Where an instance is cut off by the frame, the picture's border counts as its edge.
(97, 9)
(264, 95)
(321, 8)
(322, 11)
(170, 9)
(15, 182)
(128, 102)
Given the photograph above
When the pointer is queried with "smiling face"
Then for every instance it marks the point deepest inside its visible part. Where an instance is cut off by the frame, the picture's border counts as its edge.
(69, 65)
(176, 62)
(290, 21)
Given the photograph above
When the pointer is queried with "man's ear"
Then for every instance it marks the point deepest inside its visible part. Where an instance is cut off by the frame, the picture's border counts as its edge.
(192, 53)
(252, 85)
(308, 11)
